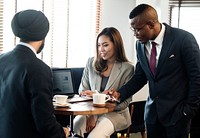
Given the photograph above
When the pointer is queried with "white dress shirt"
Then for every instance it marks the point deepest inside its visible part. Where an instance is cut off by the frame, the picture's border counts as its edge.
(158, 40)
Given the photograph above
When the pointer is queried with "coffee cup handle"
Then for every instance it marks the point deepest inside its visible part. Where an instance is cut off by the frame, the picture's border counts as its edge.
(55, 98)
(108, 98)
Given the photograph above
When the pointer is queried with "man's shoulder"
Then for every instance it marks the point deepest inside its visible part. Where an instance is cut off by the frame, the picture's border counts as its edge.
(175, 30)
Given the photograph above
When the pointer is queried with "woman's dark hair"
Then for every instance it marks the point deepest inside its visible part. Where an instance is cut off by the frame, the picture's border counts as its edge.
(100, 64)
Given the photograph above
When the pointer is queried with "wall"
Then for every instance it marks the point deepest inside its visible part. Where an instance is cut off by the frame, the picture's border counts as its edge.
(115, 13)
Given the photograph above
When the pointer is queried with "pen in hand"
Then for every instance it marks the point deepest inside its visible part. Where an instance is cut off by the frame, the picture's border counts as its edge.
(114, 99)
(112, 94)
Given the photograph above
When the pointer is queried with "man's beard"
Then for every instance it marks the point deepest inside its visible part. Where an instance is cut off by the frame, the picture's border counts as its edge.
(41, 47)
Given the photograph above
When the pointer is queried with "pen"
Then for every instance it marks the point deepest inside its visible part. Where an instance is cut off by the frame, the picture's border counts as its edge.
(115, 99)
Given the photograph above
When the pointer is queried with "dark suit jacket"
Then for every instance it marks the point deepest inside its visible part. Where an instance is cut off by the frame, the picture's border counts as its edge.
(26, 109)
(176, 86)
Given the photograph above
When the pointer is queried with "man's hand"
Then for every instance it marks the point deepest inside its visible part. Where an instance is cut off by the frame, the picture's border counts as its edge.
(114, 94)
(66, 130)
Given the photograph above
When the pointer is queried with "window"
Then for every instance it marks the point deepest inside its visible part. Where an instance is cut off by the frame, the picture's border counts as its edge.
(184, 14)
(73, 28)
(1, 26)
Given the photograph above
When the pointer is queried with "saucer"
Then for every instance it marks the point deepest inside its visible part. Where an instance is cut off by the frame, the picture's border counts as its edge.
(61, 105)
(99, 105)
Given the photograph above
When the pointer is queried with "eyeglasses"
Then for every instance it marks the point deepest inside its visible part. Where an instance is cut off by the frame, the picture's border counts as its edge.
(137, 30)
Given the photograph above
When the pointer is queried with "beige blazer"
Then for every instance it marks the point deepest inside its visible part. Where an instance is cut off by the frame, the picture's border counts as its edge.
(120, 74)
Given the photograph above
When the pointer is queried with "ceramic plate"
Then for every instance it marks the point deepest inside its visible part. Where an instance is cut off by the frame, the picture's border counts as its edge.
(61, 105)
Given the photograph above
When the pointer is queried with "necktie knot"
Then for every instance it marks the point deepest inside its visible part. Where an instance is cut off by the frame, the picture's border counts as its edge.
(153, 44)
(152, 62)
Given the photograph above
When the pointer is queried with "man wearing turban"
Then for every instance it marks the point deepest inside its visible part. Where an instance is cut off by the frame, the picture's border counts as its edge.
(26, 109)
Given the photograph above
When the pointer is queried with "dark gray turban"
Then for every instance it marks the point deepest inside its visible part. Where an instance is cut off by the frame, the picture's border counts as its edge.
(30, 25)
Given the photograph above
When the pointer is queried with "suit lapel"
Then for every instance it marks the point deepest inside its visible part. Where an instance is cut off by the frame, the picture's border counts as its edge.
(165, 49)
(114, 75)
(97, 82)
(112, 78)
(144, 61)
(166, 46)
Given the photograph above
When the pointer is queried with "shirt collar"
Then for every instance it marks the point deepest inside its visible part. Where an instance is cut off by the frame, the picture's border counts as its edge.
(159, 39)
(29, 46)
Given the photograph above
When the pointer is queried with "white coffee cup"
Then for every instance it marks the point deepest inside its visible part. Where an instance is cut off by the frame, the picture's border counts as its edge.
(100, 98)
(60, 99)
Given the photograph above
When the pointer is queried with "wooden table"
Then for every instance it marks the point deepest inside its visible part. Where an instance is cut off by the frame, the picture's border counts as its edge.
(83, 108)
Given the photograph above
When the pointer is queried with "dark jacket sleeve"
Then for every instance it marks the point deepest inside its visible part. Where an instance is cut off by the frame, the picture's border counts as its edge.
(137, 82)
(40, 88)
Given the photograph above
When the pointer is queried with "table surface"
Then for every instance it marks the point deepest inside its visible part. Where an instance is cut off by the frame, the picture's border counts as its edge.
(84, 108)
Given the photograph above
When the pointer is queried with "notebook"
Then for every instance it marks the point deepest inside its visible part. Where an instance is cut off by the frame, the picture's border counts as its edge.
(78, 98)
(63, 82)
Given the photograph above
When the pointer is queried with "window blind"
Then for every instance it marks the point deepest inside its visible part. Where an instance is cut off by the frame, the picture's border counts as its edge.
(98, 16)
(184, 14)
(1, 26)
(184, 3)
(73, 28)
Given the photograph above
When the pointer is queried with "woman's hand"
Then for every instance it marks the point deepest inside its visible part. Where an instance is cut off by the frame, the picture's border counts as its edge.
(90, 123)
(66, 130)
(87, 93)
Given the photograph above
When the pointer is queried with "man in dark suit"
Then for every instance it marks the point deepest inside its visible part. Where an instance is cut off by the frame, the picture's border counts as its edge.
(174, 81)
(26, 109)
